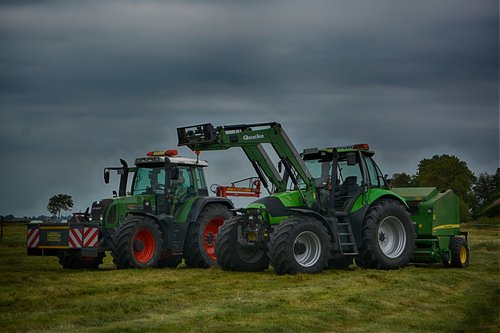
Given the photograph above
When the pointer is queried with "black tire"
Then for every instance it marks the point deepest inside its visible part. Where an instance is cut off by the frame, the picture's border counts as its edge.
(231, 256)
(199, 246)
(460, 252)
(388, 236)
(74, 260)
(137, 243)
(300, 245)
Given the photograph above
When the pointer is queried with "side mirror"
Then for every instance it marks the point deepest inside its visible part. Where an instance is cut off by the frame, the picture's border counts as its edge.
(351, 159)
(106, 176)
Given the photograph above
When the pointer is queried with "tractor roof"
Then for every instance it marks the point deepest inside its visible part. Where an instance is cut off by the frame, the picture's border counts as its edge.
(344, 149)
(173, 159)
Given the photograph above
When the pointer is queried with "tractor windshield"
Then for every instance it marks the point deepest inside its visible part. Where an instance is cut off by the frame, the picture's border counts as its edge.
(320, 169)
(149, 180)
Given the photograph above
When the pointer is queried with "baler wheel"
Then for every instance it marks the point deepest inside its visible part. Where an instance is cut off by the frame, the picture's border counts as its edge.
(199, 246)
(231, 256)
(460, 252)
(299, 245)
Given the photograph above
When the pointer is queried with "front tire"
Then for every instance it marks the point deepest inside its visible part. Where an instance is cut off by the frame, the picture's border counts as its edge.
(232, 256)
(300, 245)
(388, 236)
(137, 243)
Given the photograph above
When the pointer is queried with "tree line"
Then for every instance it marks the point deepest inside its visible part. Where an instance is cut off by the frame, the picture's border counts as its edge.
(477, 194)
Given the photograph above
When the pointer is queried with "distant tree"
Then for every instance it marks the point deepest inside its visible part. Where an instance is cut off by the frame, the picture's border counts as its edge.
(486, 190)
(449, 172)
(486, 187)
(59, 202)
(402, 180)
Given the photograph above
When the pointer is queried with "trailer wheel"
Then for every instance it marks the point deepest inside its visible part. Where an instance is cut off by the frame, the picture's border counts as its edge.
(300, 245)
(388, 236)
(74, 260)
(137, 243)
(460, 252)
(232, 256)
(199, 247)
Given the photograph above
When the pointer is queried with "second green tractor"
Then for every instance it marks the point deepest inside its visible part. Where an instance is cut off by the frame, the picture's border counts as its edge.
(326, 208)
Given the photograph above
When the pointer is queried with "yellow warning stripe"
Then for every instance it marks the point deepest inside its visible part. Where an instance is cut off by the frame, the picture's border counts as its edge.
(54, 228)
(53, 247)
(446, 226)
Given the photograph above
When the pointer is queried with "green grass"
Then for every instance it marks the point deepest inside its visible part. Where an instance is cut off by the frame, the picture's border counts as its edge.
(37, 295)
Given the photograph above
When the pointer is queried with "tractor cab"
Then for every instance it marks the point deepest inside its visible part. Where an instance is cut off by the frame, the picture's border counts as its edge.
(162, 182)
(171, 180)
(356, 173)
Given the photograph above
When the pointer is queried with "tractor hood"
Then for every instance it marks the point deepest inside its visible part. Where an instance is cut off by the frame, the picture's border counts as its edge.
(274, 208)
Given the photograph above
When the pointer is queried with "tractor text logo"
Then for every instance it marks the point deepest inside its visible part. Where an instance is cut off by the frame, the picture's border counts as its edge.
(253, 137)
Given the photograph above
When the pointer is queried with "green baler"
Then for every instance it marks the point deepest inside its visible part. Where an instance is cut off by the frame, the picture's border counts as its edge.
(437, 221)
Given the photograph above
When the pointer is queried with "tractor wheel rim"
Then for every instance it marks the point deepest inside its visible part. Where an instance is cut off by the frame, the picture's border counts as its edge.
(463, 254)
(309, 247)
(209, 234)
(148, 249)
(391, 237)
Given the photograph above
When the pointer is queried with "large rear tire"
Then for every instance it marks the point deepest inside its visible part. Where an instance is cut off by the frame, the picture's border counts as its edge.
(299, 245)
(232, 256)
(137, 243)
(388, 236)
(199, 246)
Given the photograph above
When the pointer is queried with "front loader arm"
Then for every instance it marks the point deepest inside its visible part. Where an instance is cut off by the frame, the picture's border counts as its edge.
(250, 138)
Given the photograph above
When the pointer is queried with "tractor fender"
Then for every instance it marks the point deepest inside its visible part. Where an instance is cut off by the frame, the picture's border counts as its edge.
(200, 203)
(328, 223)
(357, 217)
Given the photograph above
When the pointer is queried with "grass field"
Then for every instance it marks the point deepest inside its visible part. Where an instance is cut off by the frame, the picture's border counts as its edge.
(37, 295)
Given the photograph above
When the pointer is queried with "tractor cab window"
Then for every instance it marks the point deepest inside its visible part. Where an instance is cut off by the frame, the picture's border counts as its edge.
(320, 170)
(201, 183)
(149, 180)
(182, 187)
(376, 177)
(349, 173)
(349, 181)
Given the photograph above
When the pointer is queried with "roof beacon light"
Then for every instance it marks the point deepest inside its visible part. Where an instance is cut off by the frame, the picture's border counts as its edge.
(362, 146)
(170, 152)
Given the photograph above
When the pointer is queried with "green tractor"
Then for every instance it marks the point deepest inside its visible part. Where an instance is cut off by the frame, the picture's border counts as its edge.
(166, 216)
(326, 208)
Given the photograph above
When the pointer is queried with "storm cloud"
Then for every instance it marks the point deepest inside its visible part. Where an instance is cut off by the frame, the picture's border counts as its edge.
(84, 83)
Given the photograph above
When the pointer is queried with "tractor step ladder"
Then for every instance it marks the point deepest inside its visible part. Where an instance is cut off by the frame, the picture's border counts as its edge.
(346, 240)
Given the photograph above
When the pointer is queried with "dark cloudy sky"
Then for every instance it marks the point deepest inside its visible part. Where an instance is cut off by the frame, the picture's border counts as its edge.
(84, 83)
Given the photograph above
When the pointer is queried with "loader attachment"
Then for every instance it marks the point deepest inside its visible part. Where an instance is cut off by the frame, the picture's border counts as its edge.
(204, 133)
